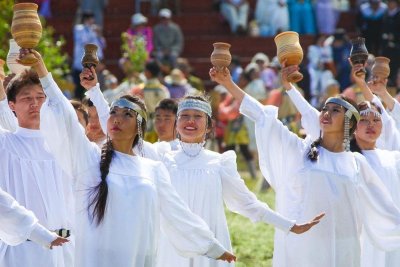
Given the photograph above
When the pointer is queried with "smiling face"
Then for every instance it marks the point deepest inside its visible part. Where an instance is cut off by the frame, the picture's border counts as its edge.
(122, 125)
(192, 126)
(331, 118)
(27, 104)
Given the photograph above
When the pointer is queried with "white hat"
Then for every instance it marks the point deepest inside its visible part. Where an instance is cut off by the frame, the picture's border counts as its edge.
(251, 66)
(165, 13)
(262, 57)
(138, 19)
(176, 77)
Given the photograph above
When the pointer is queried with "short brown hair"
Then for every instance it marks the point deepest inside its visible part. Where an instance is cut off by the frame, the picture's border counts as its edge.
(27, 77)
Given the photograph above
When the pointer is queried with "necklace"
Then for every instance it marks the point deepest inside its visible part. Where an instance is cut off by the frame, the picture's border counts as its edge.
(196, 147)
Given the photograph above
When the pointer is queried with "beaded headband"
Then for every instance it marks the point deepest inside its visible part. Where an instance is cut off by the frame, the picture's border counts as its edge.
(190, 103)
(369, 110)
(351, 110)
(124, 103)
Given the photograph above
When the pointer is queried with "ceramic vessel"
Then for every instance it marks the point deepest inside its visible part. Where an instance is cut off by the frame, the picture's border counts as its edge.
(90, 58)
(12, 56)
(2, 73)
(26, 28)
(381, 67)
(358, 53)
(221, 57)
(289, 49)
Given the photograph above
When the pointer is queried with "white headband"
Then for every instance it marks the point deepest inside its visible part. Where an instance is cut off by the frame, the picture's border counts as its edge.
(369, 110)
(190, 103)
(124, 103)
(351, 110)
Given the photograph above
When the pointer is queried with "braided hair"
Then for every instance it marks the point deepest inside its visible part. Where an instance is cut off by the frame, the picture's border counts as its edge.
(98, 194)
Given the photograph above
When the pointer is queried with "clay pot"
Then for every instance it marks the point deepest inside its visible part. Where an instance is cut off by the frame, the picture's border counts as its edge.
(26, 29)
(90, 58)
(2, 73)
(381, 67)
(358, 53)
(221, 57)
(12, 56)
(289, 49)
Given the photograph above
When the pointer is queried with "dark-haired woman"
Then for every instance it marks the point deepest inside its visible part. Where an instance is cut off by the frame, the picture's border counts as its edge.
(206, 180)
(314, 176)
(375, 130)
(120, 196)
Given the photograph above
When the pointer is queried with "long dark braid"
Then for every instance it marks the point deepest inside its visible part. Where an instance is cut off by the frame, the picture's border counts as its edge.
(313, 153)
(100, 192)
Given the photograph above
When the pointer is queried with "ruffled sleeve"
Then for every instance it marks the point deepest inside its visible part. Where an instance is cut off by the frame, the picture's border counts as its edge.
(379, 215)
(238, 198)
(281, 152)
(390, 136)
(8, 121)
(64, 134)
(17, 224)
(309, 114)
(187, 232)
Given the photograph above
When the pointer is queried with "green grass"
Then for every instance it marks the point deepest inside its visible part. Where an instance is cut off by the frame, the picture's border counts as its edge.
(252, 242)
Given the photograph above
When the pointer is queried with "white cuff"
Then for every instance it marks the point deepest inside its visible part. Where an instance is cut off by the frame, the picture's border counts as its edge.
(42, 236)
(216, 250)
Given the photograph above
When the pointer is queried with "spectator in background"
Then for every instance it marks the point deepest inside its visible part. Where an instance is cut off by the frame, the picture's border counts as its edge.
(167, 39)
(272, 17)
(94, 6)
(82, 112)
(341, 47)
(140, 29)
(326, 16)
(391, 37)
(178, 85)
(270, 76)
(235, 68)
(301, 16)
(111, 83)
(369, 22)
(236, 13)
(194, 81)
(93, 129)
(84, 33)
(164, 122)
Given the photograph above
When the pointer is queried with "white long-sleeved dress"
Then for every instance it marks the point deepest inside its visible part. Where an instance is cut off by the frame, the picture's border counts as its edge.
(205, 183)
(139, 193)
(29, 173)
(342, 185)
(385, 163)
(17, 224)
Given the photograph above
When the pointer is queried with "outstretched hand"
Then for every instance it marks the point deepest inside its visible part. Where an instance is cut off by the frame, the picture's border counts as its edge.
(58, 242)
(357, 72)
(378, 85)
(221, 76)
(285, 72)
(302, 228)
(227, 257)
(88, 78)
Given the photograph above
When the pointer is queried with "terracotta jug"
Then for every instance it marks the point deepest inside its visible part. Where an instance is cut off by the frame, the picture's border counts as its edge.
(26, 29)
(289, 49)
(358, 53)
(381, 67)
(2, 73)
(90, 58)
(13, 54)
(221, 57)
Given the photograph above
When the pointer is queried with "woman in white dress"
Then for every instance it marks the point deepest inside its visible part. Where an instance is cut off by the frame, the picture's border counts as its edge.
(120, 196)
(375, 132)
(311, 177)
(206, 180)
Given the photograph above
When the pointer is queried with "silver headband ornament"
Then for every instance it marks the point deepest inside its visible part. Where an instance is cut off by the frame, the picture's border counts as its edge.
(351, 110)
(369, 110)
(124, 103)
(199, 105)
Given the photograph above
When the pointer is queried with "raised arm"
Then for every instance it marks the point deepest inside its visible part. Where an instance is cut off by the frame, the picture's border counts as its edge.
(240, 199)
(8, 121)
(17, 224)
(188, 233)
(61, 128)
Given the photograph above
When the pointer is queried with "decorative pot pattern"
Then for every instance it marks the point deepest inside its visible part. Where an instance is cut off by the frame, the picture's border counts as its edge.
(26, 28)
(12, 56)
(289, 49)
(221, 57)
(381, 67)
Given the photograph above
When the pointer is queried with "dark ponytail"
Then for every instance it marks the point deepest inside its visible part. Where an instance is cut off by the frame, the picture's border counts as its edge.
(100, 192)
(313, 153)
